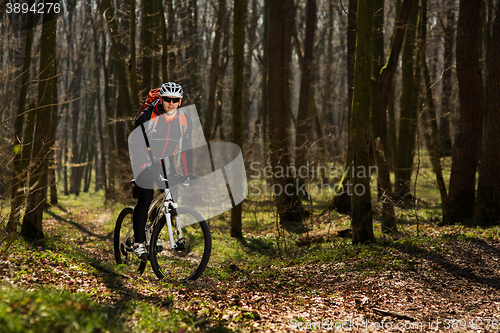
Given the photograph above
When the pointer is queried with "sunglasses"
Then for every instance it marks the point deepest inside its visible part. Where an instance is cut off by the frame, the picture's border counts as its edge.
(171, 99)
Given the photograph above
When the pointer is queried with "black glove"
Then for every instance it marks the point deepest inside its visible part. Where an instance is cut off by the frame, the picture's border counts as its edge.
(191, 179)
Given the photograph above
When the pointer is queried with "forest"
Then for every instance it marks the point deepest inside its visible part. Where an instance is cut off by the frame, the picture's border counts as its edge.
(369, 137)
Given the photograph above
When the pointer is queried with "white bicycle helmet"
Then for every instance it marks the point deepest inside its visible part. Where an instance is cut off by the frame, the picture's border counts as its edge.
(171, 89)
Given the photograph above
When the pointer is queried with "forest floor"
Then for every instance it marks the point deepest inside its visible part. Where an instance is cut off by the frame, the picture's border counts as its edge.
(423, 278)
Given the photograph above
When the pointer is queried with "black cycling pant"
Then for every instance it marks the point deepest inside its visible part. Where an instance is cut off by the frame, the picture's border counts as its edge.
(140, 216)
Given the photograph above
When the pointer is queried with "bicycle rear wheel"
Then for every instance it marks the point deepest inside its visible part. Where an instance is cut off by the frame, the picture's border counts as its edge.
(124, 239)
(189, 260)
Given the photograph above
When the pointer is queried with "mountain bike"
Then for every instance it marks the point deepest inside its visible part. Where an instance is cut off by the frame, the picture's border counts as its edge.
(178, 239)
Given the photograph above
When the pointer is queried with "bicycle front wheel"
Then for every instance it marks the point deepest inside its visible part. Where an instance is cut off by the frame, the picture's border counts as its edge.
(190, 258)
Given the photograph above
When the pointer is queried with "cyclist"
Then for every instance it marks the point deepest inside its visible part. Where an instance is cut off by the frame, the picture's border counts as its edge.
(175, 130)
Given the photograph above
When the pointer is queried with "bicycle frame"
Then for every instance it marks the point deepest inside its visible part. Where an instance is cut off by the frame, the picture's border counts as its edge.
(165, 206)
(169, 210)
(165, 210)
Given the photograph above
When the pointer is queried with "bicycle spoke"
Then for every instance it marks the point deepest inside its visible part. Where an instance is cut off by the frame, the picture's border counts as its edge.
(189, 261)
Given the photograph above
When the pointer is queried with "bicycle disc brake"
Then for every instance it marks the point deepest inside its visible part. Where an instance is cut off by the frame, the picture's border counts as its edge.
(183, 247)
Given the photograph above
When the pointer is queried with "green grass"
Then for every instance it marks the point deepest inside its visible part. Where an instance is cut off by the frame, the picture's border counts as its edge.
(51, 310)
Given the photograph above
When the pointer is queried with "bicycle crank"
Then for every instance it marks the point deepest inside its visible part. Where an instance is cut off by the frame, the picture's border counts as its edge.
(126, 247)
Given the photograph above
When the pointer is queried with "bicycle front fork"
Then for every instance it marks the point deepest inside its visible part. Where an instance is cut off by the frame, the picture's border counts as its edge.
(168, 216)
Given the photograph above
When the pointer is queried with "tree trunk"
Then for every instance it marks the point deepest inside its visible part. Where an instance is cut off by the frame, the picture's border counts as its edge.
(75, 117)
(87, 145)
(341, 202)
(351, 54)
(66, 153)
(171, 43)
(32, 223)
(220, 94)
(240, 8)
(18, 176)
(328, 99)
(81, 154)
(289, 8)
(247, 100)
(132, 62)
(445, 146)
(98, 184)
(89, 164)
(156, 45)
(98, 95)
(164, 46)
(193, 51)
(75, 105)
(110, 127)
(124, 167)
(28, 141)
(218, 114)
(265, 77)
(54, 122)
(214, 73)
(487, 206)
(378, 61)
(408, 111)
(434, 153)
(147, 45)
(390, 149)
(318, 128)
(290, 209)
(387, 72)
(362, 222)
(391, 129)
(469, 134)
(384, 180)
(301, 128)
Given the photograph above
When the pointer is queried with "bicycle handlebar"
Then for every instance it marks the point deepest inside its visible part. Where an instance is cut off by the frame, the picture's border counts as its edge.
(177, 179)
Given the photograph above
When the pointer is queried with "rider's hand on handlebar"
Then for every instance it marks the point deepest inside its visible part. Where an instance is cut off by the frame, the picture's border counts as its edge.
(192, 179)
